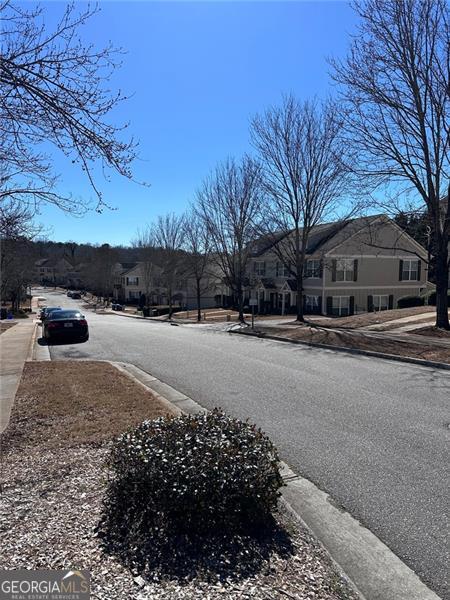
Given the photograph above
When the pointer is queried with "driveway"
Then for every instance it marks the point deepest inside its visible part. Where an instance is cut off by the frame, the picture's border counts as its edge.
(372, 433)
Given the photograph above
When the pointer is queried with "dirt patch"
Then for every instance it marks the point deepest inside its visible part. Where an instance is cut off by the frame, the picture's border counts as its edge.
(5, 325)
(373, 318)
(432, 332)
(66, 403)
(359, 341)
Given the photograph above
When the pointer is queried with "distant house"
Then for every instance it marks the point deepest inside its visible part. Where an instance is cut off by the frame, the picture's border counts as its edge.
(53, 271)
(360, 265)
(141, 282)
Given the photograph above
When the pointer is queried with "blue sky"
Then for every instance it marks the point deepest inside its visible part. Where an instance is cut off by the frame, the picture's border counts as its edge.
(198, 71)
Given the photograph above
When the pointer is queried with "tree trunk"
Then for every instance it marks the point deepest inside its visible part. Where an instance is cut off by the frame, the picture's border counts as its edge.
(169, 291)
(299, 259)
(441, 263)
(199, 312)
(240, 298)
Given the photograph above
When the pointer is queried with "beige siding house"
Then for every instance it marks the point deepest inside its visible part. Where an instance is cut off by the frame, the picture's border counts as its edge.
(356, 266)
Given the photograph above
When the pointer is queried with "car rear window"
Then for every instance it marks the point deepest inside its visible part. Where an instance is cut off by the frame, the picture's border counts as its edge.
(66, 314)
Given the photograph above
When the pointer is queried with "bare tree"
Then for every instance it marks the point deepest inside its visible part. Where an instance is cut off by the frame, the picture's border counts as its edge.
(145, 244)
(17, 257)
(99, 272)
(230, 204)
(167, 234)
(54, 90)
(395, 82)
(196, 244)
(306, 176)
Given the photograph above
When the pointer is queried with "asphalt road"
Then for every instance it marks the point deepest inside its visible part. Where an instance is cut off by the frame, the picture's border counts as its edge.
(374, 434)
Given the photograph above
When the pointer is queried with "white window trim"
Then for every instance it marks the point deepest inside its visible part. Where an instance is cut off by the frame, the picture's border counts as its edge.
(313, 260)
(379, 296)
(258, 271)
(314, 303)
(410, 270)
(346, 271)
(340, 298)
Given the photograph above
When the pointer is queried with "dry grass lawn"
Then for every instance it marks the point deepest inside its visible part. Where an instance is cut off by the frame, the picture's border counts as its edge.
(357, 341)
(67, 403)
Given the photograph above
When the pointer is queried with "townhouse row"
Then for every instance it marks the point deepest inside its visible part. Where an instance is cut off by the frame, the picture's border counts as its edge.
(355, 266)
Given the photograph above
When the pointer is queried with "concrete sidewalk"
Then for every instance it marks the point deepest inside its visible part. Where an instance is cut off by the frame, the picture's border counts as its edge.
(15, 344)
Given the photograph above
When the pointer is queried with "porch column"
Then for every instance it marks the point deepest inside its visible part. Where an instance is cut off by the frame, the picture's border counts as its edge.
(283, 300)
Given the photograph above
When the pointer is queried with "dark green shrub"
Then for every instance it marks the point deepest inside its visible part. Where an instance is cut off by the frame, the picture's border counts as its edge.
(188, 474)
(431, 296)
(409, 301)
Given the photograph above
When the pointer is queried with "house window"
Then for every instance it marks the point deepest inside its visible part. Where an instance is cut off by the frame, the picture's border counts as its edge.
(410, 270)
(312, 303)
(132, 280)
(312, 268)
(340, 306)
(345, 269)
(282, 270)
(380, 303)
(260, 268)
(133, 295)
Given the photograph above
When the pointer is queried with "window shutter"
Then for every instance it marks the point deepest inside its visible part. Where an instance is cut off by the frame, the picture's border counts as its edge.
(355, 270)
(329, 305)
(333, 270)
(319, 306)
(400, 271)
(264, 267)
(321, 272)
(352, 305)
(419, 269)
(370, 303)
(391, 301)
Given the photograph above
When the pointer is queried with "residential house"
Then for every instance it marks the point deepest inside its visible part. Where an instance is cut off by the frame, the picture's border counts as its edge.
(134, 281)
(355, 266)
(53, 271)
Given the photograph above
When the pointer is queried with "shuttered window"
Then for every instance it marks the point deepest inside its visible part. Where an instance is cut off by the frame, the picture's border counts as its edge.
(410, 270)
(345, 269)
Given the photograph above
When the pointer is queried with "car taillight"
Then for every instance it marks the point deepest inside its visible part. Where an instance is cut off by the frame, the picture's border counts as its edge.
(52, 325)
(82, 322)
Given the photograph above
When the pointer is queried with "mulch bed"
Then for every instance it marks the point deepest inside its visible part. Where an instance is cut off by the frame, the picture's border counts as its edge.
(365, 319)
(432, 332)
(53, 483)
(5, 325)
(360, 341)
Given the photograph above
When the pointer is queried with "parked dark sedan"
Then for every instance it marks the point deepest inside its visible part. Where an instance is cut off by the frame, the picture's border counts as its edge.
(64, 324)
(46, 311)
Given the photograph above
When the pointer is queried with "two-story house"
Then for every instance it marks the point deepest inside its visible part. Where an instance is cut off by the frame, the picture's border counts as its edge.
(359, 265)
(53, 271)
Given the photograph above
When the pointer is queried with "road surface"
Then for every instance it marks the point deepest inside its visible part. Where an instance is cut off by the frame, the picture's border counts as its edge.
(372, 433)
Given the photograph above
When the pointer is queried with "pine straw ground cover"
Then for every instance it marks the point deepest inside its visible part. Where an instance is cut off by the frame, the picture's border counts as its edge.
(53, 478)
(356, 340)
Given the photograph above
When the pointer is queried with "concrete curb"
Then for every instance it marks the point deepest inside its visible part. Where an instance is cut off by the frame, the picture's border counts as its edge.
(362, 559)
(38, 352)
(405, 359)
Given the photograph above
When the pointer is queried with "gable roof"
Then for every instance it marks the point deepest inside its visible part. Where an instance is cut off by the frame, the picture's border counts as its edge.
(320, 235)
(327, 236)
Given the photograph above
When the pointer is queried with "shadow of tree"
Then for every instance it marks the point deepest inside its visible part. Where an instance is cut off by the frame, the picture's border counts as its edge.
(212, 556)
